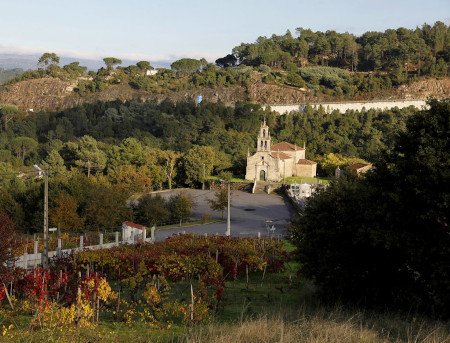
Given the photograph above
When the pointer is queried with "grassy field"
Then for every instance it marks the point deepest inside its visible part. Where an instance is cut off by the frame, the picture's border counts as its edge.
(265, 307)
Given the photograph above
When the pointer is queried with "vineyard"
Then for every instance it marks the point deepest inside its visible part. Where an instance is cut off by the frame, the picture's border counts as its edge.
(180, 281)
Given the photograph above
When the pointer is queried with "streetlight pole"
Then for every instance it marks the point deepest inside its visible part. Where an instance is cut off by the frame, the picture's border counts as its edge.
(45, 252)
(228, 232)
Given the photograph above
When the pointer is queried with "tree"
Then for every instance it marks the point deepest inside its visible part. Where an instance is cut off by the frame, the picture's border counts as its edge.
(89, 155)
(74, 69)
(110, 62)
(106, 207)
(7, 113)
(198, 163)
(132, 178)
(10, 207)
(180, 207)
(144, 65)
(385, 239)
(54, 164)
(23, 146)
(220, 202)
(151, 210)
(48, 59)
(188, 65)
(64, 214)
(169, 160)
(8, 243)
(227, 61)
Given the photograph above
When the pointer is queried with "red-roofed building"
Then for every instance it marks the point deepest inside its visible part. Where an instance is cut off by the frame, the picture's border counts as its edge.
(278, 161)
(132, 231)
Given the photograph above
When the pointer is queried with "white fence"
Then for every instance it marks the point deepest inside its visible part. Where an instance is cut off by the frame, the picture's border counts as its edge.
(27, 261)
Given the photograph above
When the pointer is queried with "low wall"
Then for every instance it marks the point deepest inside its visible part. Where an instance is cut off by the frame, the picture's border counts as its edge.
(27, 261)
(350, 105)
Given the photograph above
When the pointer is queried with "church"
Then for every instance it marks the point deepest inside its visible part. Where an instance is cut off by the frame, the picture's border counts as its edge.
(278, 161)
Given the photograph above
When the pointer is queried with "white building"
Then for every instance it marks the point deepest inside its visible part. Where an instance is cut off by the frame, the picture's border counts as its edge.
(132, 231)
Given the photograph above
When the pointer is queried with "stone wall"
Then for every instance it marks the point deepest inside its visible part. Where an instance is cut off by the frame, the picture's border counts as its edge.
(306, 170)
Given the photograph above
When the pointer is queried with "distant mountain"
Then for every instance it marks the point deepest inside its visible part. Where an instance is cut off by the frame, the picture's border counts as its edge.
(9, 74)
(25, 62)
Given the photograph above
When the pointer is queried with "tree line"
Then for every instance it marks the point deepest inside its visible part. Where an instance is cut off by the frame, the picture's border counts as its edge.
(327, 63)
(183, 128)
(112, 150)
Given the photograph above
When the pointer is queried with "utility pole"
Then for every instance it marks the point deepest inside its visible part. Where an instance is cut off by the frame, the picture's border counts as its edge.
(228, 232)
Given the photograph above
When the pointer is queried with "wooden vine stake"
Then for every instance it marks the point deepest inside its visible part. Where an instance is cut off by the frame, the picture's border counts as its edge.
(264, 274)
(192, 303)
(246, 273)
(9, 298)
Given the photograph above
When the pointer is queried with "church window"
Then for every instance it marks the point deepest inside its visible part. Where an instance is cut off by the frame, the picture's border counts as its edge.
(265, 145)
(264, 133)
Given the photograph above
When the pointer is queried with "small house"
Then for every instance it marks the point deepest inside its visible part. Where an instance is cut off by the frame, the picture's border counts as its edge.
(132, 231)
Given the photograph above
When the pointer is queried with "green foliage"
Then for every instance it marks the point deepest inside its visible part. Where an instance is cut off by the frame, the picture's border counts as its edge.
(199, 163)
(330, 162)
(110, 62)
(151, 210)
(144, 65)
(188, 65)
(180, 207)
(227, 61)
(90, 157)
(9, 74)
(48, 59)
(384, 239)
(220, 201)
(294, 79)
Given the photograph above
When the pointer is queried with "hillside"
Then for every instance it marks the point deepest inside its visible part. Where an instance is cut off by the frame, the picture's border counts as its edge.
(54, 94)
(281, 69)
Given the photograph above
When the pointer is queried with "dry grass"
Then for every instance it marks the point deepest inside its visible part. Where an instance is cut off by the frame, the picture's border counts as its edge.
(320, 325)
(325, 327)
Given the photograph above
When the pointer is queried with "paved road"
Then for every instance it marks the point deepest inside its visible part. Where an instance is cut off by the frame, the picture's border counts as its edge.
(249, 213)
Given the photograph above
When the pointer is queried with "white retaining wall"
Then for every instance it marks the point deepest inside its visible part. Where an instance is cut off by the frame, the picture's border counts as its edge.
(350, 105)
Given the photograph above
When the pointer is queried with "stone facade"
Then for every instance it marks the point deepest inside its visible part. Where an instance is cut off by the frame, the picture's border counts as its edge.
(278, 161)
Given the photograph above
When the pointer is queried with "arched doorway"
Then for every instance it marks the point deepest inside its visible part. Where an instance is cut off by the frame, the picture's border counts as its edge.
(262, 175)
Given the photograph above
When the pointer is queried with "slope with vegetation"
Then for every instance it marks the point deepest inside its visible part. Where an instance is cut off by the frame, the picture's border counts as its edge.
(283, 69)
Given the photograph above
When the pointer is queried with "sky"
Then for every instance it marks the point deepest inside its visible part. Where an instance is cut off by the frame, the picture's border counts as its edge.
(165, 30)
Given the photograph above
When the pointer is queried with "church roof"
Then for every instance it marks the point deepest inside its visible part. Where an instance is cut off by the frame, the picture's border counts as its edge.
(285, 146)
(304, 161)
(280, 155)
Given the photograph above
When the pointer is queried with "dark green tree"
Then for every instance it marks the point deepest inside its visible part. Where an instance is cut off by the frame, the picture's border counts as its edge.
(110, 62)
(385, 239)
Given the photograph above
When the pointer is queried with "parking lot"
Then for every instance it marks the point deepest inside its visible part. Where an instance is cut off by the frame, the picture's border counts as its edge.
(250, 214)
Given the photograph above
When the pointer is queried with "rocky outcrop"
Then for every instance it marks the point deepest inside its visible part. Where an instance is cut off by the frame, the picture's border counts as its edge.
(438, 88)
(54, 94)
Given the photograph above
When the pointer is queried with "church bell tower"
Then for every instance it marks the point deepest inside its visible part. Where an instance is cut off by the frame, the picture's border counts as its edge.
(263, 142)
